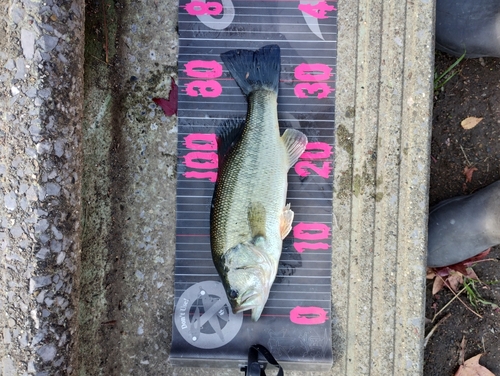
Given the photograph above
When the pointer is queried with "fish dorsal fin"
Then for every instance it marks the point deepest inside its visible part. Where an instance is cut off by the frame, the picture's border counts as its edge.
(286, 221)
(228, 134)
(257, 219)
(295, 144)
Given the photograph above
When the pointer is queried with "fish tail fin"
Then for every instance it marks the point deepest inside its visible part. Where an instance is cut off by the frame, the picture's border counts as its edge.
(254, 70)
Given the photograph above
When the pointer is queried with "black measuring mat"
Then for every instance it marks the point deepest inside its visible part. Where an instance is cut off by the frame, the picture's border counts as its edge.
(295, 325)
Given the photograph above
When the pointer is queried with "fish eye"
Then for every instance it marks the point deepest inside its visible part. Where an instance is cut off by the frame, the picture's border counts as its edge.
(233, 294)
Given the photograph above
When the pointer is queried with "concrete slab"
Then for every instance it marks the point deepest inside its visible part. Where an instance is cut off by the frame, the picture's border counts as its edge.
(124, 234)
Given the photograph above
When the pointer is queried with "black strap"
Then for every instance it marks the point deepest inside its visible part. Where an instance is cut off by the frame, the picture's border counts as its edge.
(253, 367)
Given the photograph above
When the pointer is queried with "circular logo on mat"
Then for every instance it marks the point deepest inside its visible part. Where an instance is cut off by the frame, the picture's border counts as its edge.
(204, 318)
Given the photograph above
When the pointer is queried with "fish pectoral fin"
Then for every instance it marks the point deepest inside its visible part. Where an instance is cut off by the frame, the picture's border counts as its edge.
(286, 221)
(295, 144)
(257, 219)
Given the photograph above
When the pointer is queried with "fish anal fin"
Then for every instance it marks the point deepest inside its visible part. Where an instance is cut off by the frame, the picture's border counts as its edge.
(286, 221)
(257, 219)
(295, 144)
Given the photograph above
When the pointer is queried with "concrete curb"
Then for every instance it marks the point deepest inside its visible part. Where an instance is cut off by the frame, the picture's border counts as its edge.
(41, 172)
(383, 114)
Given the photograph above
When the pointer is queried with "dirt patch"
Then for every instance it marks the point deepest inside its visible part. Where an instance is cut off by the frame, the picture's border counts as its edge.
(473, 91)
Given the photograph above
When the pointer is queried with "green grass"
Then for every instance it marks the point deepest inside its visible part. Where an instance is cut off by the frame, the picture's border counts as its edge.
(448, 74)
(473, 295)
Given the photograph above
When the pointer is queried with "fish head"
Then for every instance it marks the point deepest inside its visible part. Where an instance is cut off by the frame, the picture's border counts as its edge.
(249, 275)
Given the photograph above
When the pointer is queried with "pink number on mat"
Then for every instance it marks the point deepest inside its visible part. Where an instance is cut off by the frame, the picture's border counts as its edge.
(317, 10)
(210, 175)
(321, 87)
(198, 8)
(302, 169)
(203, 69)
(209, 88)
(201, 160)
(325, 151)
(308, 315)
(312, 72)
(302, 246)
(201, 141)
(311, 231)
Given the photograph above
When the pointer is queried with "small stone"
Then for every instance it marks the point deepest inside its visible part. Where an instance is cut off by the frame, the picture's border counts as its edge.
(6, 336)
(28, 43)
(43, 147)
(16, 231)
(39, 282)
(9, 64)
(30, 152)
(35, 130)
(31, 92)
(59, 147)
(47, 352)
(52, 189)
(44, 93)
(31, 193)
(38, 102)
(21, 69)
(10, 201)
(139, 275)
(41, 226)
(57, 234)
(17, 14)
(42, 253)
(14, 91)
(38, 338)
(60, 258)
(49, 302)
(41, 296)
(31, 367)
(9, 369)
(55, 246)
(48, 42)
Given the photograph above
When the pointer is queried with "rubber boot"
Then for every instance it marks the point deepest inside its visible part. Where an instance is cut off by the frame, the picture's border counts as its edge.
(463, 227)
(471, 26)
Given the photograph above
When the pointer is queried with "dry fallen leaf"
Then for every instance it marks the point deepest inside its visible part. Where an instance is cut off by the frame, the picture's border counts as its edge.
(471, 367)
(470, 122)
(468, 171)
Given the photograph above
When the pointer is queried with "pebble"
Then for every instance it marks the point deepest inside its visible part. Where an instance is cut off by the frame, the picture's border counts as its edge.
(28, 43)
(9, 369)
(139, 275)
(45, 93)
(6, 336)
(9, 64)
(42, 253)
(17, 14)
(52, 189)
(21, 69)
(59, 147)
(47, 352)
(39, 282)
(47, 42)
(60, 258)
(16, 231)
(14, 90)
(10, 201)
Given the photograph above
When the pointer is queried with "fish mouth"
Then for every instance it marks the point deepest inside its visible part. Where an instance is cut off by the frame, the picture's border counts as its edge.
(250, 300)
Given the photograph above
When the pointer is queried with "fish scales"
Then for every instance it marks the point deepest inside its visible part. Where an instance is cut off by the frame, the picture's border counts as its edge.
(249, 217)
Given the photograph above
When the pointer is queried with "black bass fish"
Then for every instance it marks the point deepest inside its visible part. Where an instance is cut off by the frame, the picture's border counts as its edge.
(249, 216)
